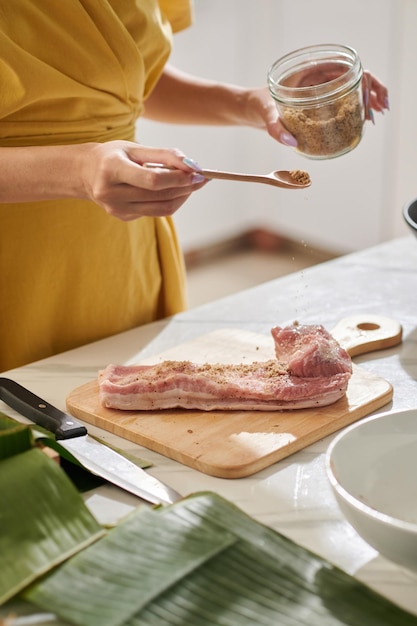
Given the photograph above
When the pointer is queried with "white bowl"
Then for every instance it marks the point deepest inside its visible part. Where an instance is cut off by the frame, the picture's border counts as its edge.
(372, 468)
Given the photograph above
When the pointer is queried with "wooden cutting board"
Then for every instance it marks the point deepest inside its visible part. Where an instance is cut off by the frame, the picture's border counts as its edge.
(234, 444)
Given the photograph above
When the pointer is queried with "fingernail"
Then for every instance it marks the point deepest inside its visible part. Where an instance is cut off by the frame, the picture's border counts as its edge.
(198, 178)
(191, 163)
(386, 103)
(371, 116)
(288, 140)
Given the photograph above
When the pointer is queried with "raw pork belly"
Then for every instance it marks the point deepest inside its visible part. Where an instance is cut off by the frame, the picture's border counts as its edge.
(311, 369)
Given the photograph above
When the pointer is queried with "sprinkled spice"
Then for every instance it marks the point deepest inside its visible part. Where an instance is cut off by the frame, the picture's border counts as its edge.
(219, 371)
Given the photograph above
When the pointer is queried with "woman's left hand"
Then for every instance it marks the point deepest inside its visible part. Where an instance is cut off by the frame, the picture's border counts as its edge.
(375, 95)
(261, 112)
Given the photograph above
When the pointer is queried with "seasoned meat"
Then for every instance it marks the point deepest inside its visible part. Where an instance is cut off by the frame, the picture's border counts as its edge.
(311, 369)
(310, 351)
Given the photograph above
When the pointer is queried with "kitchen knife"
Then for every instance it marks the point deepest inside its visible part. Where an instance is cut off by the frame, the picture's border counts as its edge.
(93, 455)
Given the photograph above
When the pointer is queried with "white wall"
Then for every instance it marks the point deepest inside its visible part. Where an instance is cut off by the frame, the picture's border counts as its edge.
(355, 200)
(402, 162)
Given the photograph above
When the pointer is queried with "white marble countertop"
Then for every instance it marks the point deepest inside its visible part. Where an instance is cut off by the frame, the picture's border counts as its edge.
(293, 496)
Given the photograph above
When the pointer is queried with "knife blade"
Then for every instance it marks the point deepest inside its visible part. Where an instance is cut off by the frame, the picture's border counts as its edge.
(93, 455)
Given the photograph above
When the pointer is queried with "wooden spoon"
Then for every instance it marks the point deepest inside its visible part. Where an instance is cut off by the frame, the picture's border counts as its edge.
(294, 179)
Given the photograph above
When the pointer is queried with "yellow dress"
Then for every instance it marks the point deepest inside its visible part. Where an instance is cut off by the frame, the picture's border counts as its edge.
(75, 71)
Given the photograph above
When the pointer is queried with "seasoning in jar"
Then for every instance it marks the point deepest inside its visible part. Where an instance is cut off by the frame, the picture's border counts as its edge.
(318, 93)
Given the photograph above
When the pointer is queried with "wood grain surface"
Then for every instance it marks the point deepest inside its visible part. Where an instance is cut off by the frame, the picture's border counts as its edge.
(234, 444)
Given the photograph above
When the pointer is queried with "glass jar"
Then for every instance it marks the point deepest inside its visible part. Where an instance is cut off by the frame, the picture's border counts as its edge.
(318, 93)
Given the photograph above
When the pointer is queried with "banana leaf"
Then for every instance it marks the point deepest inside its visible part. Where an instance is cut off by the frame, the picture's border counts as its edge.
(200, 562)
(18, 612)
(14, 437)
(43, 520)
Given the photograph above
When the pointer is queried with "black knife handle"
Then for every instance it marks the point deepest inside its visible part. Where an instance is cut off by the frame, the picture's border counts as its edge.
(37, 410)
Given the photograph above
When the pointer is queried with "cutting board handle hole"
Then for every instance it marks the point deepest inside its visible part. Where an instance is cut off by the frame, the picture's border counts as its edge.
(368, 326)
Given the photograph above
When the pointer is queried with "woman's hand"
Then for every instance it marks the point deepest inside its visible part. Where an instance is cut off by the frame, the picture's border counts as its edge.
(180, 98)
(261, 111)
(375, 95)
(115, 177)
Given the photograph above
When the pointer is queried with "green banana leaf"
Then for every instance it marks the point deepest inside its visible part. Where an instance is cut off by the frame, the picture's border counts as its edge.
(14, 437)
(203, 562)
(43, 519)
(18, 612)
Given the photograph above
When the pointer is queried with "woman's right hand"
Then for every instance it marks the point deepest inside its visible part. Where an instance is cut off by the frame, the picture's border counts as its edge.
(115, 177)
